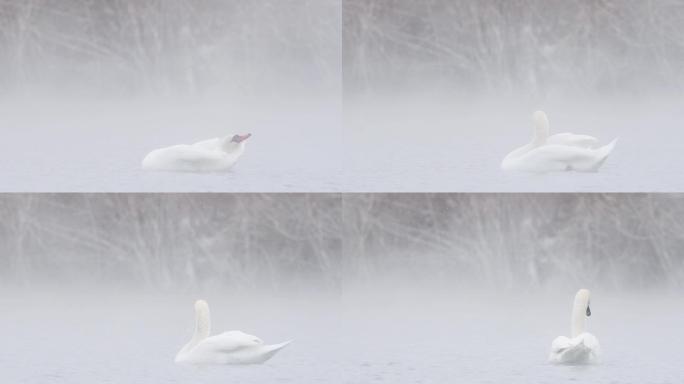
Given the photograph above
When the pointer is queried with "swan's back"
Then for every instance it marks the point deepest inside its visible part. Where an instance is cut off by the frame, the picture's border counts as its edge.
(583, 349)
(232, 347)
(231, 341)
(547, 158)
(215, 144)
(186, 158)
(573, 140)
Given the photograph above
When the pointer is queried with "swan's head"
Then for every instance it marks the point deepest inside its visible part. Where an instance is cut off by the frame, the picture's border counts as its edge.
(235, 142)
(582, 301)
(240, 138)
(541, 125)
(201, 306)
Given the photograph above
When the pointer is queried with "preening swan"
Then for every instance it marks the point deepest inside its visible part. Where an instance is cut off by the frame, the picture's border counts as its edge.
(582, 347)
(213, 155)
(232, 347)
(560, 152)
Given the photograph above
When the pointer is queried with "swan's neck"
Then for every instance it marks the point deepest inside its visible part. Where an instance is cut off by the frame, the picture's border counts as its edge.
(540, 136)
(232, 147)
(541, 130)
(579, 318)
(202, 324)
(538, 141)
(202, 329)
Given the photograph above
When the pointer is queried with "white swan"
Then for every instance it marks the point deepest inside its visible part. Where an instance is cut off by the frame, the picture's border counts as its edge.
(561, 152)
(582, 347)
(212, 155)
(232, 347)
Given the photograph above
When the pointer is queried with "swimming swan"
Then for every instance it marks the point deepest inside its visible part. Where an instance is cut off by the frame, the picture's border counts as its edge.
(560, 152)
(232, 347)
(583, 347)
(213, 155)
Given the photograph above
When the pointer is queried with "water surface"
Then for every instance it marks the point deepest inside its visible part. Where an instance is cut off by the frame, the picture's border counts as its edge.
(475, 338)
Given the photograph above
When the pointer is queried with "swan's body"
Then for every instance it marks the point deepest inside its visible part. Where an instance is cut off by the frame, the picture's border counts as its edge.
(232, 347)
(214, 155)
(582, 347)
(560, 152)
(573, 140)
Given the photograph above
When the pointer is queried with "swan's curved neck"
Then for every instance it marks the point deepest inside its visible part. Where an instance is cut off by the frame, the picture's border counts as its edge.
(232, 147)
(541, 132)
(202, 329)
(202, 324)
(541, 128)
(579, 312)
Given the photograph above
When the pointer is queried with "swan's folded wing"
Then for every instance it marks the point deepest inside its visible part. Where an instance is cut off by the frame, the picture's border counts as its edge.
(570, 139)
(572, 157)
(560, 344)
(553, 158)
(231, 341)
(211, 144)
(590, 341)
(190, 154)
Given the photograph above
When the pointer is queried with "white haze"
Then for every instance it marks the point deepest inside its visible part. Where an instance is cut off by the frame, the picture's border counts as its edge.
(87, 89)
(439, 143)
(99, 146)
(437, 92)
(401, 336)
(379, 95)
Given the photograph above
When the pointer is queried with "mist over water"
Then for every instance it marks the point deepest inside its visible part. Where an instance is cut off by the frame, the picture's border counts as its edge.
(172, 242)
(436, 93)
(274, 243)
(357, 95)
(528, 47)
(353, 96)
(89, 88)
(422, 287)
(438, 143)
(173, 48)
(99, 146)
(60, 337)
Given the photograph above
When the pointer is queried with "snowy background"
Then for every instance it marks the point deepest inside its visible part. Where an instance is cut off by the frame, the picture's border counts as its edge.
(401, 288)
(88, 88)
(437, 92)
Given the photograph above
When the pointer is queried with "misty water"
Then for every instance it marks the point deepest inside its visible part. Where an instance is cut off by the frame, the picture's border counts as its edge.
(436, 143)
(444, 143)
(437, 92)
(88, 89)
(400, 336)
(99, 146)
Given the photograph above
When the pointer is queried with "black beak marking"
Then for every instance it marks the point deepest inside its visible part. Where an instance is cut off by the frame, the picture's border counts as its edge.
(588, 311)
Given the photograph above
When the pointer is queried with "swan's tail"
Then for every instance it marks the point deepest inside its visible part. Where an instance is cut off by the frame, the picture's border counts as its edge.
(603, 153)
(267, 351)
(277, 347)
